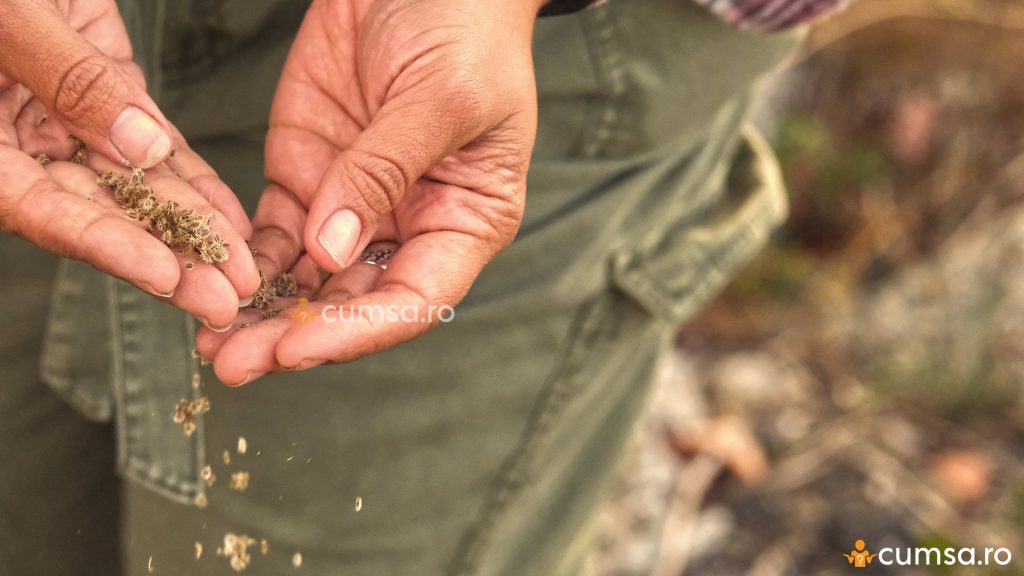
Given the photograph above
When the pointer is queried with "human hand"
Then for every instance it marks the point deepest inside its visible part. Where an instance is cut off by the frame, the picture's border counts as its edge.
(401, 120)
(66, 68)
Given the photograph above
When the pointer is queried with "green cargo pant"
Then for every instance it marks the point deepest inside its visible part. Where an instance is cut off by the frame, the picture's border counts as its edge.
(481, 448)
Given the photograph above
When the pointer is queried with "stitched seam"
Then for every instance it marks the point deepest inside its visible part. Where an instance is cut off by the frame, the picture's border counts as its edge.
(127, 358)
(514, 472)
(610, 65)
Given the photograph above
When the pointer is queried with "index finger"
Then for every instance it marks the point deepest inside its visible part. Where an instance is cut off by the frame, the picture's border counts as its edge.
(427, 277)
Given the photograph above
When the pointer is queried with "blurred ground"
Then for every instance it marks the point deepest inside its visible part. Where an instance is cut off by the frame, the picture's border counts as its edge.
(864, 377)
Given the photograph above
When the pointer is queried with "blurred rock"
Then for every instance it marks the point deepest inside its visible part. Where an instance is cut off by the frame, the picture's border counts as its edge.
(948, 332)
(964, 475)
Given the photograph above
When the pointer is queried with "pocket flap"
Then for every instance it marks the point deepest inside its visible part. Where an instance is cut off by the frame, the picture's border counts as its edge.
(690, 264)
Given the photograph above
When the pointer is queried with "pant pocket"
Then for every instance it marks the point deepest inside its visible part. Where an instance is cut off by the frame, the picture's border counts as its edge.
(690, 262)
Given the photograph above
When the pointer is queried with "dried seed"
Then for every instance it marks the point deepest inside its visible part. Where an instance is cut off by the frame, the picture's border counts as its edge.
(185, 413)
(281, 287)
(43, 159)
(297, 560)
(149, 566)
(199, 550)
(198, 356)
(285, 285)
(359, 503)
(227, 457)
(197, 380)
(243, 445)
(201, 501)
(208, 475)
(264, 546)
(239, 481)
(236, 549)
(179, 228)
(80, 156)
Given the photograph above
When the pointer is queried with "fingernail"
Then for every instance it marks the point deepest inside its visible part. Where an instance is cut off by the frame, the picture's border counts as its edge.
(305, 365)
(247, 302)
(139, 138)
(218, 330)
(250, 376)
(149, 288)
(339, 235)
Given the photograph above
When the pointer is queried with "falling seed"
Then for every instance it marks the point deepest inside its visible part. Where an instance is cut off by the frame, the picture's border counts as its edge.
(236, 549)
(289, 459)
(359, 503)
(227, 457)
(198, 356)
(150, 565)
(264, 546)
(196, 380)
(297, 560)
(243, 445)
(199, 550)
(208, 475)
(239, 481)
(185, 413)
(201, 501)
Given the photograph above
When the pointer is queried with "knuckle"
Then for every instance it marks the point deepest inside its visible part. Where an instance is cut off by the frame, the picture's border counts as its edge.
(379, 180)
(86, 87)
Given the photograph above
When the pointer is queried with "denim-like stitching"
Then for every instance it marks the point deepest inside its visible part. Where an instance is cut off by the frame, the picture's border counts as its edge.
(609, 62)
(560, 384)
(58, 336)
(127, 326)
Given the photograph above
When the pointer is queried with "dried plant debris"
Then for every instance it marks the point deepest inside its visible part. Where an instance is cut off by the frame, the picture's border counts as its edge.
(185, 413)
(227, 457)
(149, 565)
(236, 549)
(285, 285)
(208, 476)
(239, 481)
(282, 287)
(43, 159)
(198, 356)
(179, 228)
(80, 156)
(201, 500)
(197, 381)
(264, 547)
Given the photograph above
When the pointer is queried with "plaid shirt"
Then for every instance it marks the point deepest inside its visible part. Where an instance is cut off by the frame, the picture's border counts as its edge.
(764, 15)
(770, 15)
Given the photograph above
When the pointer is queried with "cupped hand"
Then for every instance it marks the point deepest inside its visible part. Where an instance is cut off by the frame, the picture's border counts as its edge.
(409, 121)
(66, 68)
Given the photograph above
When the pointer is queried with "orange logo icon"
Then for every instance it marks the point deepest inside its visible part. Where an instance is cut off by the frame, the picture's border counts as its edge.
(860, 557)
(300, 313)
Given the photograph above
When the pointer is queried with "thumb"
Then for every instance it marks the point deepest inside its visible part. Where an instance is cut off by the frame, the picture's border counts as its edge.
(93, 95)
(370, 177)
